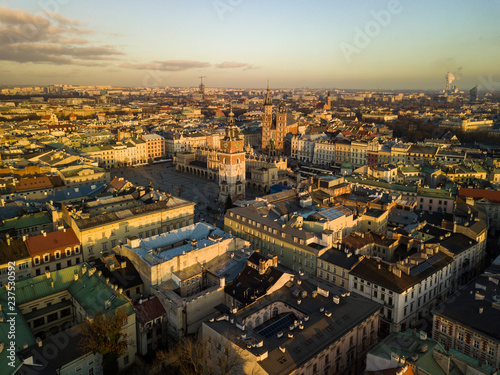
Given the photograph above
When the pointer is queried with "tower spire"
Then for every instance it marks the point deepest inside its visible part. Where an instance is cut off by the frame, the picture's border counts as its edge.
(268, 100)
(230, 120)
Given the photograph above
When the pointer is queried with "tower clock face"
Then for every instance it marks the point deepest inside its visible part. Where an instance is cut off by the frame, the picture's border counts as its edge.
(236, 145)
(224, 145)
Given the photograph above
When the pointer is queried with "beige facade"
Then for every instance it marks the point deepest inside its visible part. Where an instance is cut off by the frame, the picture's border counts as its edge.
(374, 220)
(101, 233)
(155, 145)
(81, 175)
(158, 260)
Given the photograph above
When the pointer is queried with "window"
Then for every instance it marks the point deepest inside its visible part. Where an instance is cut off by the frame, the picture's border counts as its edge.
(23, 266)
(491, 351)
(461, 336)
(125, 360)
(52, 317)
(46, 258)
(57, 255)
(476, 344)
(38, 322)
(66, 312)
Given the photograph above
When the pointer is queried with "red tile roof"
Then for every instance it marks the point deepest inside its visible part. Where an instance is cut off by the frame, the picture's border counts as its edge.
(58, 240)
(118, 183)
(31, 183)
(491, 195)
(149, 310)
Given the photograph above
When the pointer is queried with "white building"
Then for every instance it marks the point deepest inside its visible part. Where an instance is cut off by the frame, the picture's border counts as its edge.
(303, 146)
(359, 153)
(324, 152)
(407, 290)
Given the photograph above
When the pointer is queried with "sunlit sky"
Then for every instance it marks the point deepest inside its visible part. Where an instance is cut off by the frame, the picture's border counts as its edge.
(243, 43)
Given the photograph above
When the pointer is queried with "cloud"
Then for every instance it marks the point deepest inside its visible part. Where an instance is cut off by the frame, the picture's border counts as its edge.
(170, 65)
(232, 64)
(74, 41)
(48, 38)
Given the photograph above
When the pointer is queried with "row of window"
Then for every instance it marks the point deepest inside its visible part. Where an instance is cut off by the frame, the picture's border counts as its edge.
(57, 255)
(265, 227)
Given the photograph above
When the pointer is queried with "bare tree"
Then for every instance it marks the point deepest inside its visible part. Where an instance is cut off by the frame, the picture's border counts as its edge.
(199, 357)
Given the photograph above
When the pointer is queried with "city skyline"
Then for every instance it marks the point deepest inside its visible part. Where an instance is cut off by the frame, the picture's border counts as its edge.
(236, 43)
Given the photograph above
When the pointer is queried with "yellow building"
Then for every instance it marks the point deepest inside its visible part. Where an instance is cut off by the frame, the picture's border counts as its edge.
(99, 234)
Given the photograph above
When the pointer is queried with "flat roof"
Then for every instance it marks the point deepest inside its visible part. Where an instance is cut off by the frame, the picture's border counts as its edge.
(166, 246)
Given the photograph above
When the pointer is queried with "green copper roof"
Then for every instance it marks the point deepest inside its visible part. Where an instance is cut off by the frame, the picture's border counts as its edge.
(26, 221)
(382, 184)
(90, 292)
(23, 334)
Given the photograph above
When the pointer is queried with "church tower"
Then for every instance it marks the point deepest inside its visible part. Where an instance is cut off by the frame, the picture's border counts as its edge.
(231, 163)
(274, 130)
(267, 120)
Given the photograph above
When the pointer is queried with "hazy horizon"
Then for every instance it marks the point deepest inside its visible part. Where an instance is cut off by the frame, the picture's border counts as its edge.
(381, 45)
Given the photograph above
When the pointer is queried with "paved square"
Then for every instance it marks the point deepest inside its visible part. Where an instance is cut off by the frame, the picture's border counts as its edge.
(165, 178)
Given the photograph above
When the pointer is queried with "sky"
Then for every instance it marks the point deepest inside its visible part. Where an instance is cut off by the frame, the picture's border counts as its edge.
(371, 44)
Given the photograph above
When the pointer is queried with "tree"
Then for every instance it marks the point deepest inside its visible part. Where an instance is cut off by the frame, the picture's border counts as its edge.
(103, 334)
(229, 203)
(199, 357)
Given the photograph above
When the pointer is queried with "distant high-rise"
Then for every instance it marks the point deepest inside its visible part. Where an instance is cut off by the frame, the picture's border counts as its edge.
(473, 94)
(202, 87)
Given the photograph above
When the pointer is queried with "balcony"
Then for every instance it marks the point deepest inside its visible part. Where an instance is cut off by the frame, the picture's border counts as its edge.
(387, 304)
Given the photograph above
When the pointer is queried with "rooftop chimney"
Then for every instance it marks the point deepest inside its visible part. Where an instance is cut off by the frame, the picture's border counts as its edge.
(262, 266)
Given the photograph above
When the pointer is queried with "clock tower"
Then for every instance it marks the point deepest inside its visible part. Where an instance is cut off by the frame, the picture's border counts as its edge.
(231, 163)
